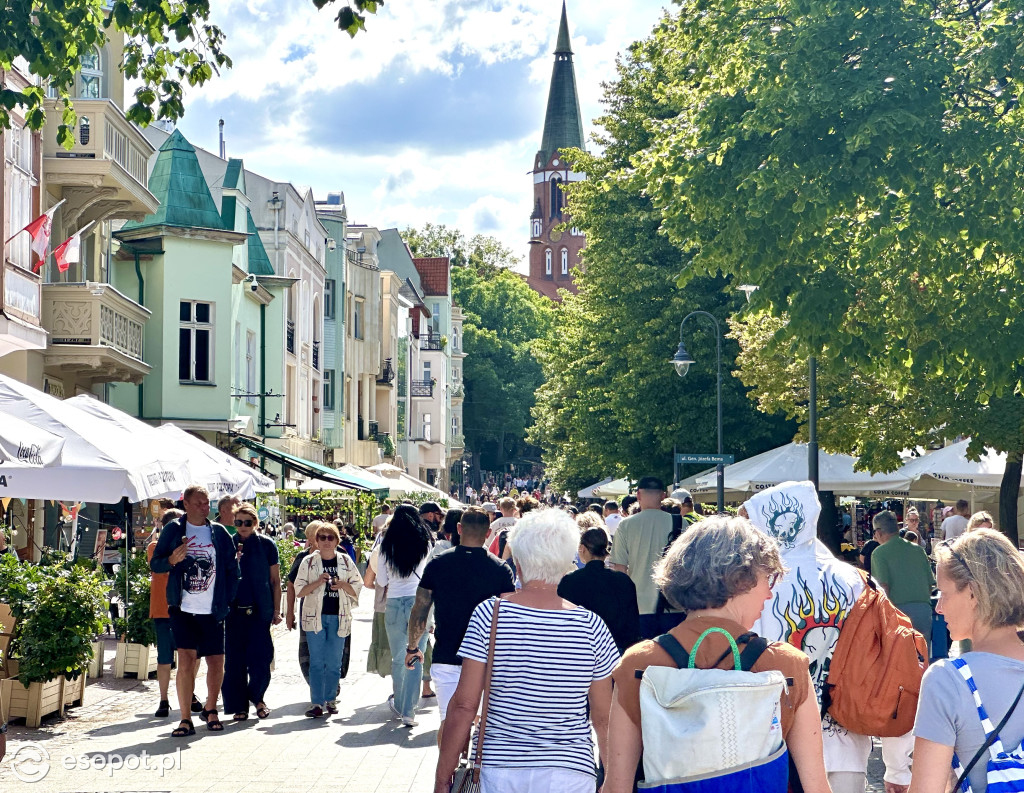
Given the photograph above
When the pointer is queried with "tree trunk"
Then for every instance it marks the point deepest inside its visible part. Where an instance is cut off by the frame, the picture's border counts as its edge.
(828, 524)
(1009, 491)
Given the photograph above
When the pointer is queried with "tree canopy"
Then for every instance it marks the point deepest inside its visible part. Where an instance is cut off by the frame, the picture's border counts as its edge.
(169, 44)
(611, 403)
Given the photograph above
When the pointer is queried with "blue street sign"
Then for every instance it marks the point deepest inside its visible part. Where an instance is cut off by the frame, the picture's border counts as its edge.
(263, 512)
(707, 459)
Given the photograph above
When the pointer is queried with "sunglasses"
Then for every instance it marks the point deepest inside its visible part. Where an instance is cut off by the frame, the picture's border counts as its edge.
(247, 523)
(949, 544)
(326, 537)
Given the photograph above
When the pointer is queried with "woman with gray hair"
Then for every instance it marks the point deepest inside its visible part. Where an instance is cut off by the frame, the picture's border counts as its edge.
(551, 659)
(720, 572)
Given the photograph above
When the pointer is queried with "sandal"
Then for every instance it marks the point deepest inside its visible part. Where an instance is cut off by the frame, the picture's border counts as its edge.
(197, 706)
(213, 722)
(184, 729)
(262, 711)
(242, 715)
(164, 710)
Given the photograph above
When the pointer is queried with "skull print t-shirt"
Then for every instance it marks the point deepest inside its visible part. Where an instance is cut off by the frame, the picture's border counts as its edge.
(197, 589)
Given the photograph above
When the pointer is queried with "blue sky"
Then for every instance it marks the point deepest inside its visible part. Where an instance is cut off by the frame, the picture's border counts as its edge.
(433, 114)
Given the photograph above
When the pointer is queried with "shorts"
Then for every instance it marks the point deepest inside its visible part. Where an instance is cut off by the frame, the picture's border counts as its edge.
(203, 633)
(445, 678)
(164, 640)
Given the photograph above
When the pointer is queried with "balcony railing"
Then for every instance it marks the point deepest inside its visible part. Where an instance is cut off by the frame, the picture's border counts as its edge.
(290, 336)
(374, 430)
(421, 388)
(459, 392)
(387, 373)
(316, 355)
(92, 314)
(431, 341)
(459, 441)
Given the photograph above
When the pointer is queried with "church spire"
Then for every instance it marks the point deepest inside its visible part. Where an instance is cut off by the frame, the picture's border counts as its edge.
(563, 124)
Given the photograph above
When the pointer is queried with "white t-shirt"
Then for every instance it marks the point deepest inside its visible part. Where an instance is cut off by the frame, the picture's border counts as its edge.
(380, 520)
(197, 589)
(612, 522)
(953, 526)
(399, 586)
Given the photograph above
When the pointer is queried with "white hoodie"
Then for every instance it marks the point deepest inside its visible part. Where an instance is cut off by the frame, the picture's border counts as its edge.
(811, 602)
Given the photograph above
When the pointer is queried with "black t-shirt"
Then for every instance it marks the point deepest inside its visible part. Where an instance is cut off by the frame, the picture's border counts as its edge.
(294, 572)
(866, 551)
(332, 599)
(461, 579)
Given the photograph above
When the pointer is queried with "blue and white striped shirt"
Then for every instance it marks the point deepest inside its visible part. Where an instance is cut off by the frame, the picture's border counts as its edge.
(544, 663)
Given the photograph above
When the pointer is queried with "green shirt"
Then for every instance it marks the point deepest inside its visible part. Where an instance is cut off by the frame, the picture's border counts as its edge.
(904, 568)
(639, 542)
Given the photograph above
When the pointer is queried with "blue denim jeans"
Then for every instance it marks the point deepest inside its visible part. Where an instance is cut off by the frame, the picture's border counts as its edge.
(325, 650)
(406, 682)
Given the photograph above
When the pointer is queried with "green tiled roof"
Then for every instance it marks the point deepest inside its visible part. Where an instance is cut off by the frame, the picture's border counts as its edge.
(177, 182)
(231, 174)
(259, 262)
(563, 124)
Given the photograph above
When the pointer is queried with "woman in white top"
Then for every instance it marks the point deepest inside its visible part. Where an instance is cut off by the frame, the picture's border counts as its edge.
(551, 659)
(404, 552)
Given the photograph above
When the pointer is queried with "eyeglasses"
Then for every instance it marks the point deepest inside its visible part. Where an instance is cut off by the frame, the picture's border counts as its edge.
(326, 537)
(247, 523)
(773, 579)
(949, 544)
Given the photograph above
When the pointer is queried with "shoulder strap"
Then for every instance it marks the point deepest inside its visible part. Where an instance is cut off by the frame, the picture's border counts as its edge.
(670, 644)
(993, 736)
(478, 759)
(756, 645)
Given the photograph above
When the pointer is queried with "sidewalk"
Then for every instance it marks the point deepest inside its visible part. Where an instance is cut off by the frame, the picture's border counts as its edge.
(100, 746)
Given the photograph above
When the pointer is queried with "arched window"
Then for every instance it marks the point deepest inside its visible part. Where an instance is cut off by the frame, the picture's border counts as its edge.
(547, 262)
(536, 228)
(565, 261)
(91, 75)
(557, 198)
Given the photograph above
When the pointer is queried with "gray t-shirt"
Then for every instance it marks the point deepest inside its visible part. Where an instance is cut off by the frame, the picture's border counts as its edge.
(947, 715)
(640, 542)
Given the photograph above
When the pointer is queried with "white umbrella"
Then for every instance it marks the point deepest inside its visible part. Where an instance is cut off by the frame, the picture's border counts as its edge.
(385, 468)
(218, 471)
(588, 492)
(23, 444)
(101, 461)
(789, 463)
(613, 489)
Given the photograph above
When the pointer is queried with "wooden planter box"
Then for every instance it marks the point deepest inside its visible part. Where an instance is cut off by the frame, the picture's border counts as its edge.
(137, 660)
(74, 690)
(34, 702)
(12, 668)
(96, 664)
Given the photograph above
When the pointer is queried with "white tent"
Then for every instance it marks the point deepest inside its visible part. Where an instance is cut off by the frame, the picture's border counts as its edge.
(788, 463)
(220, 473)
(606, 488)
(23, 444)
(948, 473)
(101, 461)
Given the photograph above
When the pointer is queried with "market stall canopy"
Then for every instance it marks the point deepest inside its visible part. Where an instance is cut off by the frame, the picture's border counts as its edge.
(606, 488)
(101, 461)
(220, 473)
(23, 444)
(789, 463)
(948, 473)
(385, 468)
(312, 469)
(378, 482)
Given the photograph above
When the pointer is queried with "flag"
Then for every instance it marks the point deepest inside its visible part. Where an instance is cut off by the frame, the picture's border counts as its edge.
(68, 252)
(39, 229)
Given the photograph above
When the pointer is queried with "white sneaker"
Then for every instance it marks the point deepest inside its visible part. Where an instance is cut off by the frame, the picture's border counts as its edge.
(407, 722)
(395, 712)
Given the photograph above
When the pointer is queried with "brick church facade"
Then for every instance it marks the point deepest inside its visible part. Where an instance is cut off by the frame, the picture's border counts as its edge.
(555, 251)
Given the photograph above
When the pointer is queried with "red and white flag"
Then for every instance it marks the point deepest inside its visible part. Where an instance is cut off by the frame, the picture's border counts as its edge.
(39, 229)
(70, 251)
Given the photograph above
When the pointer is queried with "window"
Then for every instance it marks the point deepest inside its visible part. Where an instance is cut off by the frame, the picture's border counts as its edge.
(565, 262)
(536, 228)
(435, 319)
(575, 231)
(357, 318)
(329, 298)
(557, 197)
(250, 367)
(91, 75)
(18, 145)
(547, 262)
(455, 339)
(305, 239)
(328, 389)
(426, 371)
(455, 426)
(236, 347)
(426, 426)
(195, 342)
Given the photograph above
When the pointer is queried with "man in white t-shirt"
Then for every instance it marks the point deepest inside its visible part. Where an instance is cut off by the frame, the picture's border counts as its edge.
(507, 508)
(382, 518)
(612, 516)
(956, 524)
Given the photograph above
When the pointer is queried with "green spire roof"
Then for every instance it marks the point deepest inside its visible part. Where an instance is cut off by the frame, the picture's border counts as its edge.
(259, 262)
(563, 124)
(177, 182)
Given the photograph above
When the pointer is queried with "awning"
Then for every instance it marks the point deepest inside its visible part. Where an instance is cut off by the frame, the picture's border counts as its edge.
(311, 469)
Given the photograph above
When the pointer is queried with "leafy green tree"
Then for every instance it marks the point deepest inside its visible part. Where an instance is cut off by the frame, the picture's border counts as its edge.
(862, 169)
(611, 403)
(169, 44)
(504, 319)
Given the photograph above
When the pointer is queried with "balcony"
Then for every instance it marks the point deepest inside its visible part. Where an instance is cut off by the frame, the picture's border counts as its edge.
(106, 173)
(387, 374)
(421, 388)
(290, 337)
(431, 341)
(316, 355)
(19, 320)
(95, 331)
(459, 441)
(459, 391)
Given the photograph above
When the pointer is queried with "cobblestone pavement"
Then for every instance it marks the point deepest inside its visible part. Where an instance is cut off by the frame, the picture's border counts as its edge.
(99, 746)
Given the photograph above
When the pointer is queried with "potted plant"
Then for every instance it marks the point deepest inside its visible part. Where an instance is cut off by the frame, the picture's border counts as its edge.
(136, 645)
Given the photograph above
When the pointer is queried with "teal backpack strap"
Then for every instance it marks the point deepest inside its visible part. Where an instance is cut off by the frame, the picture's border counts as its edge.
(737, 665)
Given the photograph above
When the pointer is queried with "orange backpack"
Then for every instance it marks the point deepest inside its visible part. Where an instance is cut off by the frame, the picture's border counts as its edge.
(874, 678)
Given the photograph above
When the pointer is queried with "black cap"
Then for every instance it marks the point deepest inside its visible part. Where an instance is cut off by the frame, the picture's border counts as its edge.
(650, 483)
(430, 506)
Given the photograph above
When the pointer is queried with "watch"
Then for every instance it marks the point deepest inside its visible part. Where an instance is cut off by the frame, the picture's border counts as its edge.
(3, 728)
(412, 649)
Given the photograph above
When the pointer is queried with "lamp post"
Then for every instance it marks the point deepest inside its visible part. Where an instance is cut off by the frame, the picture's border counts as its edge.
(681, 361)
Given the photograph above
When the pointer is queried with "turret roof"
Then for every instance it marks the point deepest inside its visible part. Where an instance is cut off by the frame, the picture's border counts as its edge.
(563, 124)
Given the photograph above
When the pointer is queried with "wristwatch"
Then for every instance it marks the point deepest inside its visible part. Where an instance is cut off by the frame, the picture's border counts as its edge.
(412, 649)
(3, 728)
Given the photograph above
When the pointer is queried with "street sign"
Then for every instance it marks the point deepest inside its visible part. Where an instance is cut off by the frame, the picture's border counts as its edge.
(706, 459)
(263, 513)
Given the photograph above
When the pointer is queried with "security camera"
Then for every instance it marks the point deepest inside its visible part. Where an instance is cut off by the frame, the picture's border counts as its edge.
(251, 278)
(254, 286)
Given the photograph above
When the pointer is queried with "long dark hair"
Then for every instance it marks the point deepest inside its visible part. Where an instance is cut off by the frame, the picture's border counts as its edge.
(450, 526)
(406, 541)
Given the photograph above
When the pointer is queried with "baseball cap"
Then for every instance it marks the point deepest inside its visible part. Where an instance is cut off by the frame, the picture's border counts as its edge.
(681, 494)
(650, 483)
(429, 506)
(489, 506)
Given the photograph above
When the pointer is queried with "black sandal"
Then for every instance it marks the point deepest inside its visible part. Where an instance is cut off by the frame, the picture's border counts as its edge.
(213, 724)
(164, 710)
(184, 729)
(197, 706)
(242, 715)
(262, 711)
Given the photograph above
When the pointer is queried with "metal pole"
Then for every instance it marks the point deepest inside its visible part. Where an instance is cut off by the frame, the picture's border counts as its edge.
(812, 422)
(721, 467)
(675, 466)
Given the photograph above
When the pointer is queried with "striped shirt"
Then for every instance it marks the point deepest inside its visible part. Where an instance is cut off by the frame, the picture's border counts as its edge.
(544, 663)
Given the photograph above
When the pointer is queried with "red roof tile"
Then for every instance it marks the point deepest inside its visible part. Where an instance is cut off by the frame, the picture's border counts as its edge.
(548, 288)
(433, 274)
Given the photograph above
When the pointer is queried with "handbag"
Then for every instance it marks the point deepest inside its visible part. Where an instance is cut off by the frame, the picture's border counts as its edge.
(467, 777)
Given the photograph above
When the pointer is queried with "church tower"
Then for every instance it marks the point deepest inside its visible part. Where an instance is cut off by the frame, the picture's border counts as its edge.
(554, 252)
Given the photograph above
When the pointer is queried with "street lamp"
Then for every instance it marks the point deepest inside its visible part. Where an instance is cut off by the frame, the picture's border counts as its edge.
(681, 361)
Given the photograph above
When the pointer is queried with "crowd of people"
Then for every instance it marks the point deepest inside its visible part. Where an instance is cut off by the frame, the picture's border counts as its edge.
(542, 625)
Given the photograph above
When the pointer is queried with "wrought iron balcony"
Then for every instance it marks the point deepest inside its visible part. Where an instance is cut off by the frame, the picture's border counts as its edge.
(290, 336)
(421, 388)
(316, 355)
(431, 341)
(387, 373)
(374, 430)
